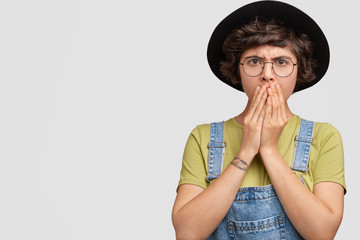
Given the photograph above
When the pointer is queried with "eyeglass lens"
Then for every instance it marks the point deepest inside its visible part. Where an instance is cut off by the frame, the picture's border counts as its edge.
(282, 67)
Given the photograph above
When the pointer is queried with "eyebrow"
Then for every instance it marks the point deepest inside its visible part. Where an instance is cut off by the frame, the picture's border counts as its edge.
(255, 56)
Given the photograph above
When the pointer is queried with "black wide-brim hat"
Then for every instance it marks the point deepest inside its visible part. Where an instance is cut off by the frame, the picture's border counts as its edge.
(289, 15)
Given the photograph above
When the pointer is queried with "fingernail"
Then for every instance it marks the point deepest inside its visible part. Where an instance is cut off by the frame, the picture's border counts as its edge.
(277, 85)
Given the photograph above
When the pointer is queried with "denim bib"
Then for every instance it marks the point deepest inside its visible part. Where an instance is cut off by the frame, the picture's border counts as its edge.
(256, 212)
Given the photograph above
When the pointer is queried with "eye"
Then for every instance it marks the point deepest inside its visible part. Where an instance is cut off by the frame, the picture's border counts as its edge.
(254, 61)
(282, 62)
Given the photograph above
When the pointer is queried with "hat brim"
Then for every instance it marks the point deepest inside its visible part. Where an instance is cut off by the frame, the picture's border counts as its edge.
(289, 15)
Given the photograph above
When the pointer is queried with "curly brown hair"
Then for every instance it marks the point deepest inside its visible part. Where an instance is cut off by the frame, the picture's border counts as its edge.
(267, 32)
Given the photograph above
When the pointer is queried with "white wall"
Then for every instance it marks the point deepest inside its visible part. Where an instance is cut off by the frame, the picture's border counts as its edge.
(97, 99)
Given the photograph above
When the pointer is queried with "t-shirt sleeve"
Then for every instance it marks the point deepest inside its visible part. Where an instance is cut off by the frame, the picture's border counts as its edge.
(193, 170)
(330, 164)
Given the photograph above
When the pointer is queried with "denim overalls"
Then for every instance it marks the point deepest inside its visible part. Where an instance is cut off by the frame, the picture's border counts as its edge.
(256, 212)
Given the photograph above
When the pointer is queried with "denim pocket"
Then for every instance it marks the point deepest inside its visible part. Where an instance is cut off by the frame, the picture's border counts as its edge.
(268, 228)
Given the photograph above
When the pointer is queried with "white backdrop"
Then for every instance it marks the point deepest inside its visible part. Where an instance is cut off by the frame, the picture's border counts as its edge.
(97, 99)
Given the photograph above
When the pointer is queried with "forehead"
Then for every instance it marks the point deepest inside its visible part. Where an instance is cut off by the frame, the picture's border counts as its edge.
(268, 52)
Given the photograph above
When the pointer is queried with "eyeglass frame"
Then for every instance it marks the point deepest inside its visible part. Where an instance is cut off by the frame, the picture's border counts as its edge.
(272, 67)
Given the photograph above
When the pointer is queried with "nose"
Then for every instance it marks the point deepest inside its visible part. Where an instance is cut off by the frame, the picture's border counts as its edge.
(267, 73)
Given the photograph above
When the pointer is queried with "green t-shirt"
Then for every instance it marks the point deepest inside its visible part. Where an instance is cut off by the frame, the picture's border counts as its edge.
(326, 155)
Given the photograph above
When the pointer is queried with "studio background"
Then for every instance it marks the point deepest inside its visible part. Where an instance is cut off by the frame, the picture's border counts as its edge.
(97, 99)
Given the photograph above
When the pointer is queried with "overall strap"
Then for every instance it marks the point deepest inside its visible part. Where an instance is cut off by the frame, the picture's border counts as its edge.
(216, 150)
(302, 146)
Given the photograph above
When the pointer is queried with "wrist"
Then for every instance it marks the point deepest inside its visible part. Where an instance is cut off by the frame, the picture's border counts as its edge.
(245, 156)
(240, 164)
(268, 150)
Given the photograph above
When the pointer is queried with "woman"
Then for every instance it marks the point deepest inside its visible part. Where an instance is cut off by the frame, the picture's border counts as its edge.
(267, 173)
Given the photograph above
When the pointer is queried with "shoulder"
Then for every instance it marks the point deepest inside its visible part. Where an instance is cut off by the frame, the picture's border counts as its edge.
(326, 132)
(202, 131)
(323, 130)
(325, 127)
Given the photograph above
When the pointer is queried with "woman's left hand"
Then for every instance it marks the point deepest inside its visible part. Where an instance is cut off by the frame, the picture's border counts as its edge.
(275, 119)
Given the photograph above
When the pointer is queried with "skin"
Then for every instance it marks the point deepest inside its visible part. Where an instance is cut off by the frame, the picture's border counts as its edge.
(316, 215)
(261, 89)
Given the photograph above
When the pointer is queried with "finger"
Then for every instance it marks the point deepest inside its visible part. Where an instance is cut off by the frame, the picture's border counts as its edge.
(276, 113)
(270, 100)
(276, 93)
(256, 93)
(253, 100)
(282, 101)
(262, 113)
(268, 109)
(256, 100)
(261, 117)
(277, 105)
(260, 107)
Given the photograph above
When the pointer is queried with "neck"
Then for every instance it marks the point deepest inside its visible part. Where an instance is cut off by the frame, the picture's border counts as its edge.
(240, 118)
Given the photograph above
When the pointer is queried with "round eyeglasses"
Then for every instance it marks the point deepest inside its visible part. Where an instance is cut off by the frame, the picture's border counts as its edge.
(254, 66)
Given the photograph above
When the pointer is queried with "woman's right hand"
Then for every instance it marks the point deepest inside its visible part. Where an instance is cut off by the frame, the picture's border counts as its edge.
(252, 125)
(197, 212)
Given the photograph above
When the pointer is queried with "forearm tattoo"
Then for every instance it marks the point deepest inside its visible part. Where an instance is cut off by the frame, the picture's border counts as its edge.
(240, 164)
